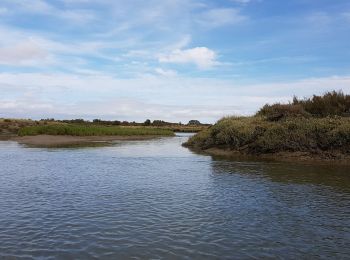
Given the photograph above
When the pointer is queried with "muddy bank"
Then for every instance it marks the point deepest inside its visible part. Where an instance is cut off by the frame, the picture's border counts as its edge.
(67, 140)
(334, 157)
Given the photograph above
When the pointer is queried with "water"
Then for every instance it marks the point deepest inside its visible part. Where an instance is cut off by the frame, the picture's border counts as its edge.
(156, 199)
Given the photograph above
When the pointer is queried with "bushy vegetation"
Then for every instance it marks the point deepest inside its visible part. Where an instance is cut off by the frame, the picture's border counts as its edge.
(330, 104)
(85, 130)
(278, 112)
(9, 127)
(256, 135)
(302, 126)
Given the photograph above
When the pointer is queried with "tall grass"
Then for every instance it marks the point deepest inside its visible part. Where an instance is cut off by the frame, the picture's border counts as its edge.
(86, 130)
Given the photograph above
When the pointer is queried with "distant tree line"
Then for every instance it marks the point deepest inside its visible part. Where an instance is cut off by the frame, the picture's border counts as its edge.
(148, 122)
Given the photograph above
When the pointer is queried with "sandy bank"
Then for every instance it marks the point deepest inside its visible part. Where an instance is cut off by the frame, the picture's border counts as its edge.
(67, 140)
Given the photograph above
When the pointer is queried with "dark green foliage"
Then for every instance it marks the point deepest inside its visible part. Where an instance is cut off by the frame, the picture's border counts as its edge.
(104, 122)
(277, 112)
(147, 122)
(48, 120)
(194, 122)
(330, 104)
(160, 123)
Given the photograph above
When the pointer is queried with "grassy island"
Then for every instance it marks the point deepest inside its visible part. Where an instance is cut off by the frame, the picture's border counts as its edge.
(56, 135)
(91, 130)
(315, 128)
(51, 132)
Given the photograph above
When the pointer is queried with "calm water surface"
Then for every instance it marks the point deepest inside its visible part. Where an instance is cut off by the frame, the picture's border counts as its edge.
(155, 199)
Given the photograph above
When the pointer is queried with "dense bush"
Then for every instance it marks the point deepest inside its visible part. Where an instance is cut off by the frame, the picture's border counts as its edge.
(330, 104)
(277, 112)
(147, 122)
(193, 122)
(256, 135)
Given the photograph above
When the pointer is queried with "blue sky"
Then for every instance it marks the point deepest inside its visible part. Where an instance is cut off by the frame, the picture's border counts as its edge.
(174, 60)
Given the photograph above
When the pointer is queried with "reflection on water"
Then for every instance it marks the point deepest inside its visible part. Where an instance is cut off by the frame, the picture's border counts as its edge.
(336, 176)
(156, 199)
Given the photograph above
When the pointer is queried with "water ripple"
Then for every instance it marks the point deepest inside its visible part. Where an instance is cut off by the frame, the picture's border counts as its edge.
(155, 199)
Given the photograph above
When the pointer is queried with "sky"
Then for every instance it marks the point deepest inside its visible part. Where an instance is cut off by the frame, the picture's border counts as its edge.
(172, 60)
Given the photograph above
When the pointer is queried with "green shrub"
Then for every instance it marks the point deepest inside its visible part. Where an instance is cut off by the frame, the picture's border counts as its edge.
(277, 112)
(256, 135)
(330, 104)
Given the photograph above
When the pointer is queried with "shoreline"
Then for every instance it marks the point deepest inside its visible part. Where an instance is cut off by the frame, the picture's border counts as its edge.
(297, 157)
(69, 140)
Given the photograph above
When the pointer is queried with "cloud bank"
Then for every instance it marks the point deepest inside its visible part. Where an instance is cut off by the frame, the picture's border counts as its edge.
(174, 60)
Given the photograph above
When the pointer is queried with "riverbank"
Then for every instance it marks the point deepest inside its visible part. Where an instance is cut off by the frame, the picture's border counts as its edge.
(334, 157)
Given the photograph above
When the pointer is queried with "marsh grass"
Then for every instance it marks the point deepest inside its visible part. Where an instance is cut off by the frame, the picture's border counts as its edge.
(314, 125)
(91, 130)
(257, 135)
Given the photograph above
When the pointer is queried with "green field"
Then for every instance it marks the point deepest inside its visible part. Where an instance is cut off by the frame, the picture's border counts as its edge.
(91, 130)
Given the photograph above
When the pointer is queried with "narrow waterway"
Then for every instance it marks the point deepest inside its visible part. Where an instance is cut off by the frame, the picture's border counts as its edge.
(156, 199)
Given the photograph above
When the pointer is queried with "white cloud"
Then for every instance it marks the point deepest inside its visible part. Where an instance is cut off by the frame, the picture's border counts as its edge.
(156, 97)
(77, 16)
(180, 44)
(123, 109)
(20, 47)
(166, 73)
(137, 54)
(22, 53)
(220, 17)
(203, 57)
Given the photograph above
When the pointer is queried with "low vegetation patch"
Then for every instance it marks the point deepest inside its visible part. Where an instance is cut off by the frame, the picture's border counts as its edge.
(282, 128)
(91, 130)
